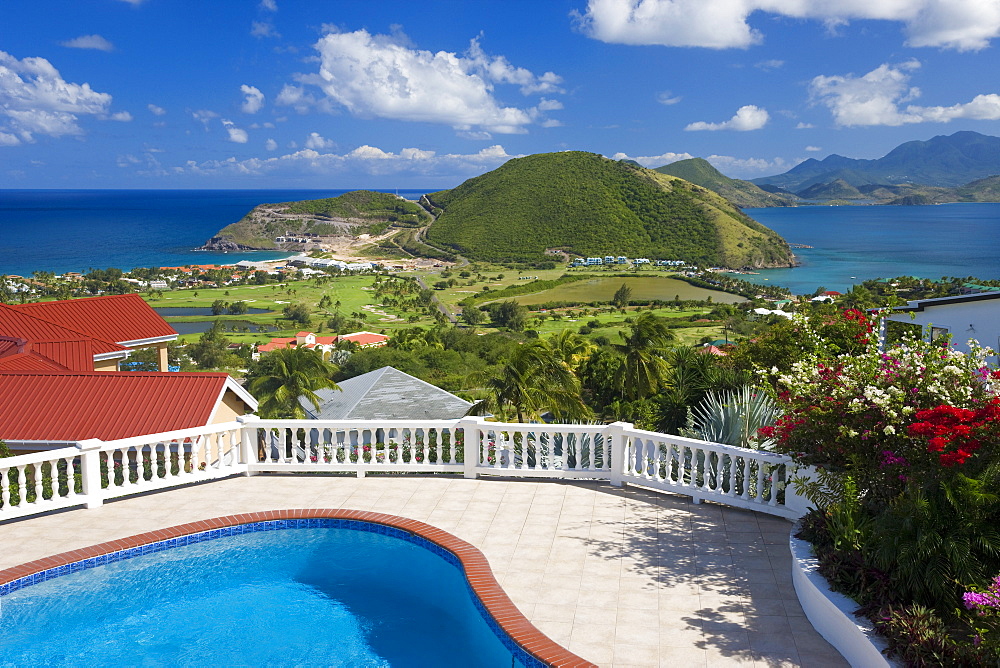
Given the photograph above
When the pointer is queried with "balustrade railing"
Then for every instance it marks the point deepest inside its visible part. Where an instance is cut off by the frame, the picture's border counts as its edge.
(95, 471)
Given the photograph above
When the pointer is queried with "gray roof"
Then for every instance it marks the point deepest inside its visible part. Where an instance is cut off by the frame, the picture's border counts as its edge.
(386, 394)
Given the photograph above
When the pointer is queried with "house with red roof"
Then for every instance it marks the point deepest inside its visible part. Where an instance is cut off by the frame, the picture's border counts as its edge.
(323, 344)
(60, 382)
(41, 410)
(92, 334)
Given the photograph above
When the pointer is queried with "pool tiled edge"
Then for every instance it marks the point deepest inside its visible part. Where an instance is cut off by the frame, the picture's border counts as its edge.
(489, 596)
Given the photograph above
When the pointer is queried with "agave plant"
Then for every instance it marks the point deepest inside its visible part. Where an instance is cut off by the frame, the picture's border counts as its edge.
(733, 417)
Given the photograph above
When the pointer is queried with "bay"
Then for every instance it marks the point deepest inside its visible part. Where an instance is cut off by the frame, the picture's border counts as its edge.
(851, 244)
(76, 230)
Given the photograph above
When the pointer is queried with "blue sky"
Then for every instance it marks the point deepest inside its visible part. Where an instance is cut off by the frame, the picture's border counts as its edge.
(424, 94)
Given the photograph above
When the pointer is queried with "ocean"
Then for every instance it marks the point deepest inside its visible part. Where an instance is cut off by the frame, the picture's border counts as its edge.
(851, 244)
(75, 230)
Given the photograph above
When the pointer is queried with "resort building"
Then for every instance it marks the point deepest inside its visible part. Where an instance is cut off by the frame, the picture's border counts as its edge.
(322, 344)
(963, 317)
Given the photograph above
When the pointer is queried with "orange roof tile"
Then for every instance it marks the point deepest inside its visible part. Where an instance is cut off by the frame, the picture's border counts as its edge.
(72, 406)
(119, 318)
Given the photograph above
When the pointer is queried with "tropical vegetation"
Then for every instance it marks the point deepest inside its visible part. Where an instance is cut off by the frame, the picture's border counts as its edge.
(905, 445)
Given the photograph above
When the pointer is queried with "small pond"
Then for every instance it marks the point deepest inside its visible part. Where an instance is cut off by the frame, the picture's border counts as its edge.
(229, 325)
(188, 311)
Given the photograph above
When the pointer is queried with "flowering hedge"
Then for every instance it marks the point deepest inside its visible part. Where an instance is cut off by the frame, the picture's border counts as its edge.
(908, 443)
(887, 416)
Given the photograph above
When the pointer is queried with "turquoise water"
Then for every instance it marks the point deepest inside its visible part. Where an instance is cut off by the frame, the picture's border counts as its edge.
(75, 230)
(856, 243)
(303, 597)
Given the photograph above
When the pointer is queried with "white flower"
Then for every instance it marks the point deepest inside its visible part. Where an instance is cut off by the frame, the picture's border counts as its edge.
(889, 430)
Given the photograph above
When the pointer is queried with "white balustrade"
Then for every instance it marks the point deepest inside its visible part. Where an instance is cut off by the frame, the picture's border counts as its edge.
(94, 471)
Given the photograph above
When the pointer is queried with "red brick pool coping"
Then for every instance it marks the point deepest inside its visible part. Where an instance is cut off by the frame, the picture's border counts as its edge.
(477, 568)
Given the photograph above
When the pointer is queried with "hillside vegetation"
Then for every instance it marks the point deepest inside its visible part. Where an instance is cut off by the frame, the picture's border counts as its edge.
(741, 193)
(353, 213)
(586, 204)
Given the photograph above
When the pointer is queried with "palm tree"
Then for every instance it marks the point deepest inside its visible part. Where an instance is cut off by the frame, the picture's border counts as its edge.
(571, 348)
(643, 370)
(533, 380)
(285, 375)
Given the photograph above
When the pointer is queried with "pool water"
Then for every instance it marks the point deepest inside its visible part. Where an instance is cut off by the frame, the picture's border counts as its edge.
(304, 597)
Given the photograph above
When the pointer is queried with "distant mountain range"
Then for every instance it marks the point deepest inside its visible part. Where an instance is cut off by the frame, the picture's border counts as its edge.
(944, 161)
(741, 193)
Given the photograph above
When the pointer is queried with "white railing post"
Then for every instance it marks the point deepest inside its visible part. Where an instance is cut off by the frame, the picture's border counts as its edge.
(90, 472)
(795, 502)
(614, 443)
(248, 441)
(470, 427)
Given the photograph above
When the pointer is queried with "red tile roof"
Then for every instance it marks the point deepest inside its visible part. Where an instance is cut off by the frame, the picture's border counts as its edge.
(72, 406)
(366, 338)
(118, 318)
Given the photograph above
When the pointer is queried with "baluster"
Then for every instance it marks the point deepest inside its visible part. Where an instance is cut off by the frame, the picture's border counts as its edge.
(760, 482)
(660, 463)
(774, 470)
(730, 475)
(22, 493)
(746, 478)
(37, 482)
(5, 488)
(425, 445)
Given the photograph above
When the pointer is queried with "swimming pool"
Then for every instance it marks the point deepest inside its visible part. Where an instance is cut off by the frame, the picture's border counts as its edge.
(331, 592)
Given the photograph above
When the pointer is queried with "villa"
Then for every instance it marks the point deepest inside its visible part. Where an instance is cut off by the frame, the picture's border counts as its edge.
(964, 317)
(322, 344)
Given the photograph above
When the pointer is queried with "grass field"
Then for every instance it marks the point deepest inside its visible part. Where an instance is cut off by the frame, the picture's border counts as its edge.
(356, 295)
(353, 292)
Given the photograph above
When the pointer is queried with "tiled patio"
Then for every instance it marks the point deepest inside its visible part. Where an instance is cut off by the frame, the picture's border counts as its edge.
(622, 577)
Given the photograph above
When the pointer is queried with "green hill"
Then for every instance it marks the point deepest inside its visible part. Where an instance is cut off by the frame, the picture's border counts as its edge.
(587, 204)
(836, 189)
(351, 214)
(741, 193)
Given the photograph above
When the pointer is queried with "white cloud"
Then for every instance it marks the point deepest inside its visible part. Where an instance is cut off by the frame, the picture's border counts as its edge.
(750, 167)
(134, 3)
(549, 105)
(877, 98)
(253, 99)
(653, 161)
(269, 5)
(204, 116)
(951, 24)
(122, 116)
(302, 101)
(316, 141)
(263, 29)
(156, 111)
(271, 145)
(375, 76)
(804, 126)
(813, 149)
(666, 98)
(236, 135)
(768, 65)
(35, 99)
(89, 42)
(368, 160)
(551, 123)
(749, 117)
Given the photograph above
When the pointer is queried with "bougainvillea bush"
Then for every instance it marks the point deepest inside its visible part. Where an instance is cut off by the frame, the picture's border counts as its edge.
(907, 442)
